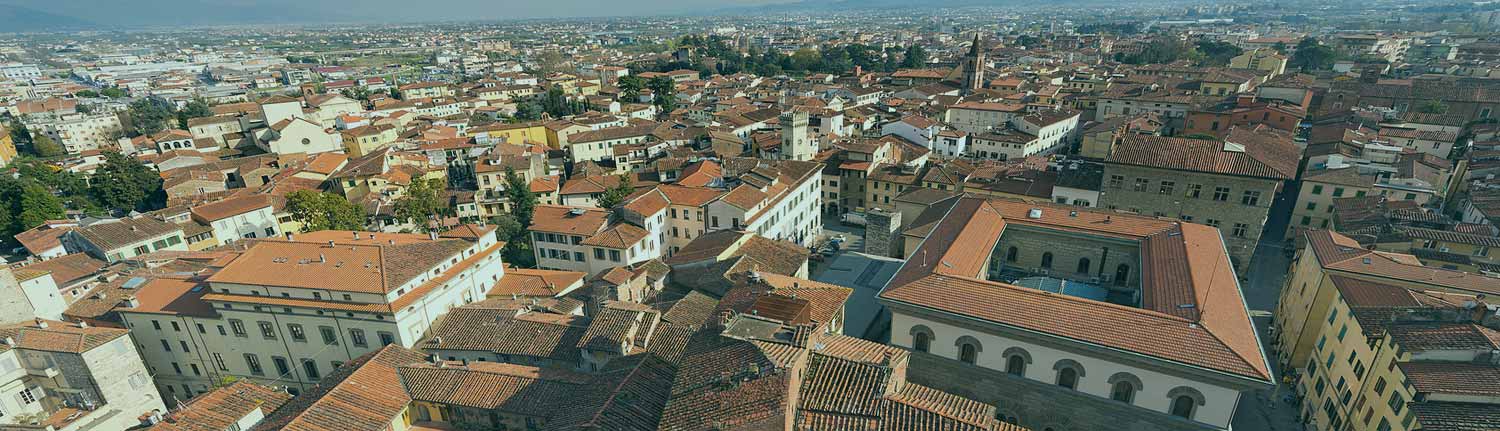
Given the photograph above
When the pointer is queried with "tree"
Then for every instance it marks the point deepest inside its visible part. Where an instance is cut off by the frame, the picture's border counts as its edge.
(112, 92)
(1216, 53)
(324, 211)
(528, 111)
(1312, 55)
(124, 184)
(1158, 51)
(915, 57)
(37, 206)
(522, 200)
(630, 87)
(1433, 107)
(20, 133)
(196, 108)
(422, 201)
(147, 116)
(44, 146)
(86, 94)
(665, 91)
(616, 195)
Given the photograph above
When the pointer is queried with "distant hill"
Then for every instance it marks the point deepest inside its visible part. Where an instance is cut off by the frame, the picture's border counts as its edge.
(19, 19)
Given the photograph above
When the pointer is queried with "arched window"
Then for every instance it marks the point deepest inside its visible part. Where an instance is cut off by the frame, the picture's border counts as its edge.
(1182, 406)
(1123, 387)
(1185, 401)
(1016, 360)
(1016, 365)
(1083, 265)
(1122, 391)
(921, 338)
(1067, 378)
(1047, 260)
(1068, 373)
(1010, 254)
(968, 349)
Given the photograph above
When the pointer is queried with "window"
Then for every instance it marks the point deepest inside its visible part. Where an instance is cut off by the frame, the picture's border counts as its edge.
(1016, 365)
(166, 346)
(184, 346)
(1141, 184)
(175, 327)
(387, 338)
(1317, 190)
(311, 367)
(1167, 186)
(1397, 402)
(598, 254)
(1251, 198)
(1194, 190)
(1380, 386)
(267, 331)
(968, 349)
(219, 362)
(1010, 254)
(614, 255)
(1083, 265)
(1047, 260)
(1182, 406)
(1338, 192)
(156, 325)
(921, 342)
(195, 369)
(1067, 378)
(357, 337)
(28, 395)
(176, 368)
(1115, 181)
(1240, 230)
(297, 333)
(1122, 391)
(253, 362)
(1221, 194)
(330, 337)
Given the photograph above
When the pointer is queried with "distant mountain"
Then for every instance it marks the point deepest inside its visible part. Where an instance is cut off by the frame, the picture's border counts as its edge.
(19, 19)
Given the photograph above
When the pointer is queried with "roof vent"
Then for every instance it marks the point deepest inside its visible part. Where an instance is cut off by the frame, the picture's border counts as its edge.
(1034, 213)
(1233, 147)
(1073, 213)
(1365, 260)
(576, 211)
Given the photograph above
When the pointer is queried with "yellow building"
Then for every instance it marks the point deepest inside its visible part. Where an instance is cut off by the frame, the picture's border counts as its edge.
(363, 140)
(1267, 60)
(1350, 320)
(534, 132)
(7, 147)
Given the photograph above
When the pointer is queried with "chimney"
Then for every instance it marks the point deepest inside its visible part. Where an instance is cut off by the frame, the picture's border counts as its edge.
(288, 236)
(41, 323)
(322, 258)
(83, 324)
(356, 236)
(9, 341)
(330, 243)
(432, 235)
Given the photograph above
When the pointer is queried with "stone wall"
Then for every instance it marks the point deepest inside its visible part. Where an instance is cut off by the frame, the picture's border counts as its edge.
(1036, 405)
(1177, 203)
(881, 236)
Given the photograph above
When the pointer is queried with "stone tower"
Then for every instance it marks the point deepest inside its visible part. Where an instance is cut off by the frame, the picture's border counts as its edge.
(973, 68)
(795, 144)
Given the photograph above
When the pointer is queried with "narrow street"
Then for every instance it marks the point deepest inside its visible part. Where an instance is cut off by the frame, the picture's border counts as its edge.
(1264, 410)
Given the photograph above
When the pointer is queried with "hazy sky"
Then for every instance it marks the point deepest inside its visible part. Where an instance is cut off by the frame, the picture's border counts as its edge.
(138, 12)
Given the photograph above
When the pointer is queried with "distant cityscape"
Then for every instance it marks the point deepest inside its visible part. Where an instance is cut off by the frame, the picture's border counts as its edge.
(968, 215)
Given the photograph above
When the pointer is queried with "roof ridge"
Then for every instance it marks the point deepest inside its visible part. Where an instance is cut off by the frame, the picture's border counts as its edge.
(1043, 293)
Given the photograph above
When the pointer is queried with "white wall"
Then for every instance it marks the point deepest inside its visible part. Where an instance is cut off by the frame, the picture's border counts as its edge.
(1096, 371)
